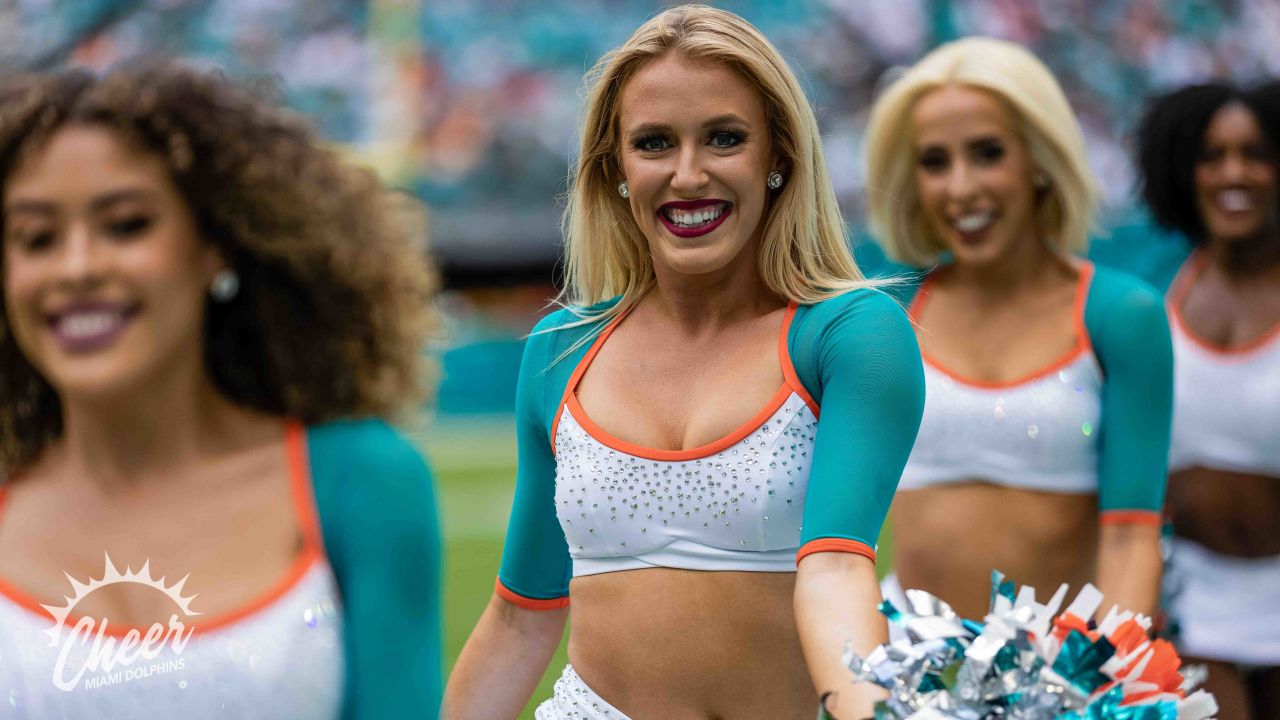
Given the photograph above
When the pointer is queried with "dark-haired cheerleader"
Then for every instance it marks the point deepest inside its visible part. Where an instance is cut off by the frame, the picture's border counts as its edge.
(1208, 156)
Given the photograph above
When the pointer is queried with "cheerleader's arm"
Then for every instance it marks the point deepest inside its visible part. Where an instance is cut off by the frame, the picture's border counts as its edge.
(858, 354)
(1130, 335)
(378, 516)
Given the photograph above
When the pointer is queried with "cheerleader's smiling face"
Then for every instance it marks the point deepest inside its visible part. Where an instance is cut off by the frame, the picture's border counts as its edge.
(973, 173)
(105, 277)
(695, 151)
(1235, 176)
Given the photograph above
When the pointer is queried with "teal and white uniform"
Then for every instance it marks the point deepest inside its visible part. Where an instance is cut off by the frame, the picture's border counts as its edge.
(1227, 417)
(1093, 422)
(352, 631)
(813, 471)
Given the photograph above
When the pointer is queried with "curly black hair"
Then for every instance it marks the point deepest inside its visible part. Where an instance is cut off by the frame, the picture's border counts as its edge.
(334, 307)
(1171, 140)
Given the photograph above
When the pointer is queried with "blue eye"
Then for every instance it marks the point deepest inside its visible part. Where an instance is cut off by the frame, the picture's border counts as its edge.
(725, 139)
(650, 143)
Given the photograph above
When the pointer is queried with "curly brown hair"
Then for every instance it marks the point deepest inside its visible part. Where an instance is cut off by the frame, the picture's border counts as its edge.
(335, 300)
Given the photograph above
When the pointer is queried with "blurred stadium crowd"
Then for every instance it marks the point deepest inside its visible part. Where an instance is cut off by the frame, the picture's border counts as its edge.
(473, 105)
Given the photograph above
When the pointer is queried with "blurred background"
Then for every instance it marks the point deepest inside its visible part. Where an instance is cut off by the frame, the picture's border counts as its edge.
(472, 106)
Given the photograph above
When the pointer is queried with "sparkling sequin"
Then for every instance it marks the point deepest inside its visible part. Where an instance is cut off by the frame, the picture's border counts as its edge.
(571, 699)
(1086, 428)
(731, 500)
(1026, 435)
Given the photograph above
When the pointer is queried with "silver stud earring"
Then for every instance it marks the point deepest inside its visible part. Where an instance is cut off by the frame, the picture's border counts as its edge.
(623, 190)
(774, 180)
(1041, 181)
(226, 285)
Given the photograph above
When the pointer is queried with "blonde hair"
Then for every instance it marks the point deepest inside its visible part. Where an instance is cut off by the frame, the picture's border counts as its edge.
(803, 254)
(1064, 213)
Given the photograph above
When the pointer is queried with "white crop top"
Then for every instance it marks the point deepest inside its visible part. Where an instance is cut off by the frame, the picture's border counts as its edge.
(1037, 432)
(790, 482)
(1226, 401)
(735, 504)
(283, 661)
(280, 657)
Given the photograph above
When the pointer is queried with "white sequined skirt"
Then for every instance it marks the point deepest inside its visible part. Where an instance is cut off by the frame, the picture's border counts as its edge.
(573, 700)
(1225, 607)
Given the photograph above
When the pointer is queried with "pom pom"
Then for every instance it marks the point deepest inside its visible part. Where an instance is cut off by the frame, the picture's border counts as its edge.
(1023, 662)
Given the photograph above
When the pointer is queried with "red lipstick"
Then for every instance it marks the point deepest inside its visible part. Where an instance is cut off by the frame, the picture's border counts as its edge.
(668, 213)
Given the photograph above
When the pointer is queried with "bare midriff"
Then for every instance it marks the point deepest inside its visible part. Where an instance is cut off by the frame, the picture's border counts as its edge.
(691, 645)
(1228, 512)
(948, 539)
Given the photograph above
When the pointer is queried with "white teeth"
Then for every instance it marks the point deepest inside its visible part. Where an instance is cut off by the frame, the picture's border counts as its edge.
(89, 324)
(702, 216)
(1235, 200)
(973, 222)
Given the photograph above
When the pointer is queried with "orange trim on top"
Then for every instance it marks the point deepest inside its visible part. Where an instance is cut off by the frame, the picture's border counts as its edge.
(519, 600)
(789, 375)
(840, 545)
(790, 384)
(580, 370)
(1191, 269)
(312, 552)
(1132, 517)
(702, 451)
(1083, 344)
(304, 499)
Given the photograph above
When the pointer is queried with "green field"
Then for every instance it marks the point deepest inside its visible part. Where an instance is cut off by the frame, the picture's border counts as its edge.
(474, 459)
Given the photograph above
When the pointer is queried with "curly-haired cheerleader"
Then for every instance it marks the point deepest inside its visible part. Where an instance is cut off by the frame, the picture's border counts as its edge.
(196, 295)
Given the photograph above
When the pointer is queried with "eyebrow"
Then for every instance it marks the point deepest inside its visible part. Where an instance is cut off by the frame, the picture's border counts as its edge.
(98, 204)
(980, 140)
(106, 200)
(651, 127)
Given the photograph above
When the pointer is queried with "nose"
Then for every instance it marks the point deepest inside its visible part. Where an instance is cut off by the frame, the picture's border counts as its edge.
(690, 172)
(79, 258)
(961, 184)
(1234, 167)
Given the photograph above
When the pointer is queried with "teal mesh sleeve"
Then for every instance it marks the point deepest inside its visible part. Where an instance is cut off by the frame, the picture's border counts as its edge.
(376, 502)
(536, 567)
(856, 354)
(1129, 331)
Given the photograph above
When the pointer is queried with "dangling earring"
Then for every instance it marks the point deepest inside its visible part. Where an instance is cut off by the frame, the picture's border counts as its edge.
(1041, 181)
(773, 180)
(623, 190)
(226, 285)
